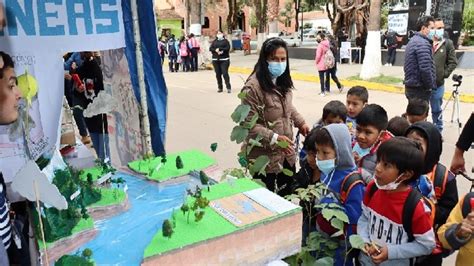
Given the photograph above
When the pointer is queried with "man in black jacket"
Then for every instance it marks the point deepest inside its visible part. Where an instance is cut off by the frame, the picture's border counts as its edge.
(419, 67)
(445, 61)
(220, 60)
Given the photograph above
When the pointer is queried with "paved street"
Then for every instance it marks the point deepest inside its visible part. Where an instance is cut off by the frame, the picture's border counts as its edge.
(199, 116)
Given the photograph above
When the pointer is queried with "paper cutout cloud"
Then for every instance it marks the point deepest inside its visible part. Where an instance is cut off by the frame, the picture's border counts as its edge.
(102, 104)
(24, 184)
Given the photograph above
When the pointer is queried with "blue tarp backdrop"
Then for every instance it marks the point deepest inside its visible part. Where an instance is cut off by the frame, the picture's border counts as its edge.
(155, 83)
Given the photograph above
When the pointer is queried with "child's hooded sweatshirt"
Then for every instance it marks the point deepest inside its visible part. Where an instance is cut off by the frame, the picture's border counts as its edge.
(344, 166)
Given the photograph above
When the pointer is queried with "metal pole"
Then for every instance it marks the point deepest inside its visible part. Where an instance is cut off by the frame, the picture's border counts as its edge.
(145, 123)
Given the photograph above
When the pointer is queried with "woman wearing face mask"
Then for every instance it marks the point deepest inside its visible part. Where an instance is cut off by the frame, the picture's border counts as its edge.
(220, 60)
(270, 86)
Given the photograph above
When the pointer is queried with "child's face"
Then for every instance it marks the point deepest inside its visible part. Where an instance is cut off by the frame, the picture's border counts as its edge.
(366, 136)
(9, 97)
(416, 118)
(414, 135)
(354, 105)
(325, 152)
(333, 119)
(386, 173)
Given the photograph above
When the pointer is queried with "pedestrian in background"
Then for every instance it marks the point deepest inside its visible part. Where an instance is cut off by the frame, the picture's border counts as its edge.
(444, 56)
(220, 61)
(195, 47)
(321, 50)
(392, 45)
(172, 49)
(420, 76)
(185, 54)
(331, 72)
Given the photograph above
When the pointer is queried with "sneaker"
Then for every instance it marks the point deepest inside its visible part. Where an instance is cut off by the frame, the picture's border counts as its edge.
(219, 90)
(387, 64)
(322, 94)
(86, 140)
(229, 91)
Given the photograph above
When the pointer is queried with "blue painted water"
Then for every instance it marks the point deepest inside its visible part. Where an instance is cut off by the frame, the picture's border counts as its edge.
(122, 239)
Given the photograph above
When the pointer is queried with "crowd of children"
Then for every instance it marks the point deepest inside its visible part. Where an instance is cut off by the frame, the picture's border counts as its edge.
(386, 176)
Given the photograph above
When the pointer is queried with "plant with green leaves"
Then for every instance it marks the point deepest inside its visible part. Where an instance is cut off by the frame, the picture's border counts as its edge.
(240, 134)
(197, 207)
(214, 147)
(204, 179)
(167, 229)
(87, 253)
(179, 162)
(323, 247)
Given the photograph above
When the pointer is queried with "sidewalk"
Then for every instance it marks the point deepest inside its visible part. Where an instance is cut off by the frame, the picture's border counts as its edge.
(305, 70)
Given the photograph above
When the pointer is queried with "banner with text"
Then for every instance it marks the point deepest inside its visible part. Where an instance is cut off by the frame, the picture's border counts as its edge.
(37, 35)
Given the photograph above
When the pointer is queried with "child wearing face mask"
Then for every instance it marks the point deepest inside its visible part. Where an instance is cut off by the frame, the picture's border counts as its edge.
(371, 132)
(445, 192)
(395, 234)
(334, 160)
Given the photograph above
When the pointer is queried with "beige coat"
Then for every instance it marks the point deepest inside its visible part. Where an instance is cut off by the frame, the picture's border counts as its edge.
(279, 116)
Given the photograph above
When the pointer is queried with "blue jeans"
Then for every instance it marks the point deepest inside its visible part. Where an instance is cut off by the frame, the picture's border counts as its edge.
(101, 144)
(436, 102)
(79, 114)
(322, 75)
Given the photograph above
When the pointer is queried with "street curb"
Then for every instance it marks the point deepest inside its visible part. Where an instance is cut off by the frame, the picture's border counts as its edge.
(463, 97)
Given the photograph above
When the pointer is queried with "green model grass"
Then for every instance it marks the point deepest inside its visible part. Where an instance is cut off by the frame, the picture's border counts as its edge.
(109, 197)
(96, 173)
(69, 260)
(192, 160)
(211, 226)
(82, 225)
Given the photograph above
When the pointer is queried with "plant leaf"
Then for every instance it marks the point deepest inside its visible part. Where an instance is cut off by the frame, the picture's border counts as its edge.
(283, 144)
(240, 113)
(356, 241)
(239, 134)
(326, 261)
(253, 121)
(338, 224)
(258, 167)
(338, 233)
(287, 172)
(214, 146)
(242, 95)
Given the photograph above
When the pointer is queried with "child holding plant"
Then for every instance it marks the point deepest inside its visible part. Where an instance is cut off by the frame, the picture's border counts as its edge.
(395, 223)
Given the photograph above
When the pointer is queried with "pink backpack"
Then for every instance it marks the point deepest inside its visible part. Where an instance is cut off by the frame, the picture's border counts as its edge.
(183, 49)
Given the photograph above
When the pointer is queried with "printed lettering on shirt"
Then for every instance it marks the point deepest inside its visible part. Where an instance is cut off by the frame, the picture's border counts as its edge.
(384, 231)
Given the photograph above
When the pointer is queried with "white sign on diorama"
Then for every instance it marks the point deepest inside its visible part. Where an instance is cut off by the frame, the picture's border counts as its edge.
(398, 23)
(37, 35)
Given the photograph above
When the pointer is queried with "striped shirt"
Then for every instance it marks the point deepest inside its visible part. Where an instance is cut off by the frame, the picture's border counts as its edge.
(5, 225)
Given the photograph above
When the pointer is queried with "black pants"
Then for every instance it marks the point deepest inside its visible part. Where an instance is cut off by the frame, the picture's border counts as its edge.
(283, 182)
(431, 260)
(194, 59)
(322, 82)
(332, 72)
(185, 60)
(173, 63)
(392, 53)
(417, 92)
(222, 69)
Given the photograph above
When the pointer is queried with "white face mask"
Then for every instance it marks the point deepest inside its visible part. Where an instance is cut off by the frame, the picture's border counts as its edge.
(390, 186)
(220, 36)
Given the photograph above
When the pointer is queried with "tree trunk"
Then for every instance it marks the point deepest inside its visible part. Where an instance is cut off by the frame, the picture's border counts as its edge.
(373, 57)
(297, 12)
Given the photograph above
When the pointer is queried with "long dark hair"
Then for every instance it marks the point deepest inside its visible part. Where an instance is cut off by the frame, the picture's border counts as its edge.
(283, 83)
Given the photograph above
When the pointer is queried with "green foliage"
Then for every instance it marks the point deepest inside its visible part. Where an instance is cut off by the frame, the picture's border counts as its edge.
(384, 16)
(287, 172)
(259, 165)
(239, 134)
(287, 13)
(468, 17)
(240, 113)
(167, 229)
(75, 260)
(179, 163)
(204, 179)
(87, 253)
(356, 241)
(283, 144)
(242, 95)
(214, 147)
(197, 207)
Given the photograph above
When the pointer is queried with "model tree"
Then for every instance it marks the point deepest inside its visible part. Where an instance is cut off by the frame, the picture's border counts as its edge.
(179, 163)
(167, 229)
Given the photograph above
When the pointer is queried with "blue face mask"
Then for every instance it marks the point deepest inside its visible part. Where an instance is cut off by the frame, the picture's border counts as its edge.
(360, 151)
(276, 68)
(440, 34)
(326, 166)
(431, 34)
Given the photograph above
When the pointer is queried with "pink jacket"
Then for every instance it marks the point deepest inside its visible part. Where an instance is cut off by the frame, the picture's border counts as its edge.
(323, 46)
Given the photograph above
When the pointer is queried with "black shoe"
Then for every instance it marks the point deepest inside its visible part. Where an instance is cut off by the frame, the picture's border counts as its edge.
(219, 90)
(229, 91)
